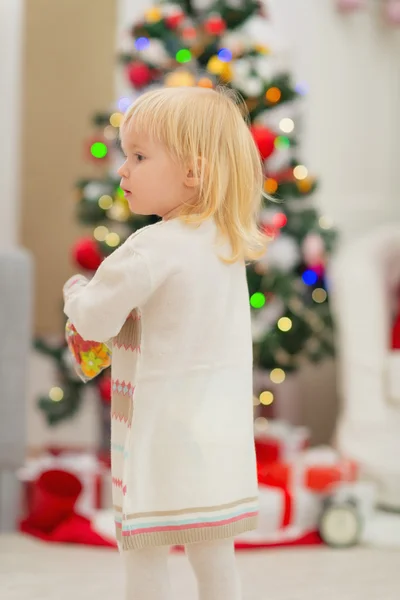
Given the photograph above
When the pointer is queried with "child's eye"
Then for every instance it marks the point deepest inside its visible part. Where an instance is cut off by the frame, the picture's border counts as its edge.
(139, 157)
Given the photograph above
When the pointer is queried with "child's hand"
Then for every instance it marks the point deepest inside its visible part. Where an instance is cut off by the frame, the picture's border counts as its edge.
(75, 280)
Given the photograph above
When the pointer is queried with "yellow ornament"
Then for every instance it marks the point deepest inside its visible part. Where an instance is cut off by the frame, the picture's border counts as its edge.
(153, 15)
(204, 82)
(179, 79)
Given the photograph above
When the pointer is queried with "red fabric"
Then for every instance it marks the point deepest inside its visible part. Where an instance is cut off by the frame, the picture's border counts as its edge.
(73, 530)
(396, 334)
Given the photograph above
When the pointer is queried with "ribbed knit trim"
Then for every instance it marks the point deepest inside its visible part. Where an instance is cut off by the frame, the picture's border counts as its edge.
(187, 536)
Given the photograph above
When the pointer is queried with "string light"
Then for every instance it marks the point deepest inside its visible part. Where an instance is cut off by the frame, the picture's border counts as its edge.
(309, 277)
(286, 125)
(266, 398)
(277, 376)
(112, 240)
(225, 55)
(325, 222)
(116, 119)
(300, 172)
(305, 185)
(260, 424)
(123, 104)
(302, 88)
(279, 220)
(319, 295)
(105, 202)
(257, 300)
(273, 95)
(256, 401)
(282, 142)
(205, 82)
(100, 233)
(285, 324)
(56, 394)
(110, 133)
(141, 43)
(153, 15)
(99, 150)
(183, 56)
(270, 185)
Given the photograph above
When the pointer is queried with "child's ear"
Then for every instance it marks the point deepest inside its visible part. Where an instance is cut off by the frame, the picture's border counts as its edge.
(193, 174)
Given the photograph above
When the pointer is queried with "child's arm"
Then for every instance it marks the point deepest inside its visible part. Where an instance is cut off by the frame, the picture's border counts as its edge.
(98, 308)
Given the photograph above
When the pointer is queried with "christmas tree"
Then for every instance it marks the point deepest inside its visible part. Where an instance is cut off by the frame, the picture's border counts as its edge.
(180, 45)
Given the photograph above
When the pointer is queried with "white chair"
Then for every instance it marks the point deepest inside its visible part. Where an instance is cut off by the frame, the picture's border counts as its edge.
(365, 278)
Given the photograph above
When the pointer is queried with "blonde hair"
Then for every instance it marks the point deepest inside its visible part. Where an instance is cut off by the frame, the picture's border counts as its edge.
(207, 130)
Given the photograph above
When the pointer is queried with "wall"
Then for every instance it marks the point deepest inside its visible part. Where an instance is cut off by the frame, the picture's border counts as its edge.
(11, 46)
(68, 74)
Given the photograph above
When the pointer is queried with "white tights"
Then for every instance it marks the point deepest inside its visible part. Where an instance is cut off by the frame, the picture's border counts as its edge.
(213, 563)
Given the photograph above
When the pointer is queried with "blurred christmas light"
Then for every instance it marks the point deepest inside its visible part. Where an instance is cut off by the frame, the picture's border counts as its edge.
(56, 394)
(305, 185)
(205, 82)
(120, 192)
(153, 15)
(266, 398)
(302, 88)
(319, 295)
(124, 104)
(105, 202)
(110, 133)
(282, 142)
(257, 300)
(270, 185)
(256, 401)
(141, 43)
(279, 220)
(225, 55)
(112, 240)
(325, 222)
(100, 233)
(116, 119)
(273, 95)
(300, 172)
(99, 150)
(260, 424)
(286, 125)
(277, 375)
(183, 55)
(285, 324)
(309, 277)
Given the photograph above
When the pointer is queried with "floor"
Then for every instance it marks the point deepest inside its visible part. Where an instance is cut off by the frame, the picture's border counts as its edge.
(31, 570)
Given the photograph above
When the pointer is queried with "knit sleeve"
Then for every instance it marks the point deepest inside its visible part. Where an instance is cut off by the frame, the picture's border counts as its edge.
(98, 308)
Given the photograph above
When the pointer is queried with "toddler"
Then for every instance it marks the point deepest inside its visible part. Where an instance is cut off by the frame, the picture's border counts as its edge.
(173, 302)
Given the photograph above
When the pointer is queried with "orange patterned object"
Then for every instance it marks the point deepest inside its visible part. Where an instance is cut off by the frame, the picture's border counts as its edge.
(90, 357)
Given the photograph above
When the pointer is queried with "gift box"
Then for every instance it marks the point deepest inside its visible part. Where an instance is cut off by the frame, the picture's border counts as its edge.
(93, 474)
(280, 442)
(316, 469)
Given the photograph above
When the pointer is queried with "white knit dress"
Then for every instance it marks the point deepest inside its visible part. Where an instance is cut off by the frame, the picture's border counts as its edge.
(183, 458)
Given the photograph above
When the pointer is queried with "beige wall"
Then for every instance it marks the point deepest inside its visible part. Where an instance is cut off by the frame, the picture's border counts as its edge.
(69, 67)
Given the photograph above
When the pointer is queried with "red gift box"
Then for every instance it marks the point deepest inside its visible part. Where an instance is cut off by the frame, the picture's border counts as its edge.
(317, 470)
(280, 442)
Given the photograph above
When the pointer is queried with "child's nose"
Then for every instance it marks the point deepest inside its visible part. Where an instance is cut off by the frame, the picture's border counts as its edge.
(122, 171)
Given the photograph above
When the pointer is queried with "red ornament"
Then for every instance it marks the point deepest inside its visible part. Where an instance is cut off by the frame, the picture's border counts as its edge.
(215, 25)
(86, 254)
(139, 74)
(174, 20)
(264, 139)
(105, 389)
